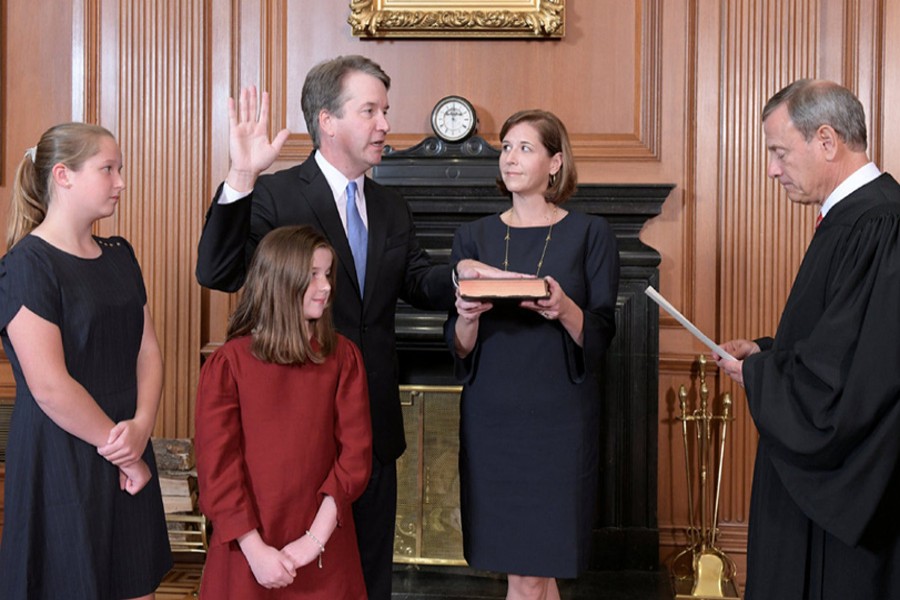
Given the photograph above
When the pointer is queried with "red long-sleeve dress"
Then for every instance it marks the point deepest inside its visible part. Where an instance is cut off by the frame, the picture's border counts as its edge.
(271, 442)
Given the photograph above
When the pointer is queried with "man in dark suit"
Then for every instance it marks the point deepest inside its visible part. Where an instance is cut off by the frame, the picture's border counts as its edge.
(345, 105)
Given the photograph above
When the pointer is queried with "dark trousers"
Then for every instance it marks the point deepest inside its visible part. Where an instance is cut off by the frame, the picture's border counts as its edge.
(374, 515)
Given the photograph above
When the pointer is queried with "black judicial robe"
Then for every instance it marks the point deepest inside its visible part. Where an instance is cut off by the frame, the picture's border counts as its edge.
(825, 397)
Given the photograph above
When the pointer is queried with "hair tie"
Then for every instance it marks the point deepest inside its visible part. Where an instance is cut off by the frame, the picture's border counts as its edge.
(31, 153)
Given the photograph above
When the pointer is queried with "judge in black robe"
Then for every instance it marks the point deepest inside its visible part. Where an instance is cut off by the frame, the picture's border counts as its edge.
(825, 392)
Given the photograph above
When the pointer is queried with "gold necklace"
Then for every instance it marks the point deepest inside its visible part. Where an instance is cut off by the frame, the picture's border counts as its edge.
(543, 252)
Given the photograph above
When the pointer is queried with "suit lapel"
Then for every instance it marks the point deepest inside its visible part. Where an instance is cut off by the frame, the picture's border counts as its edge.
(318, 196)
(378, 228)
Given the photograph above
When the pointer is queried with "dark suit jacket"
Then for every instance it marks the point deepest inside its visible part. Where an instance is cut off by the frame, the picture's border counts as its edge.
(397, 267)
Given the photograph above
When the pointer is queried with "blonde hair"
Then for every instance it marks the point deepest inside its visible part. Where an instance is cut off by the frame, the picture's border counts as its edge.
(70, 144)
(271, 304)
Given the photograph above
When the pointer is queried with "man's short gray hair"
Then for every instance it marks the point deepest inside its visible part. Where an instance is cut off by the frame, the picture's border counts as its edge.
(812, 103)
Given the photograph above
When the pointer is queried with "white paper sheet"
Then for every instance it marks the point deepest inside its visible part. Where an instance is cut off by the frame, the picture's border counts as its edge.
(667, 306)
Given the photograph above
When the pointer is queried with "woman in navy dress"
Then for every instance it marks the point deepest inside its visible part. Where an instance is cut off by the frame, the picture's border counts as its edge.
(83, 515)
(529, 431)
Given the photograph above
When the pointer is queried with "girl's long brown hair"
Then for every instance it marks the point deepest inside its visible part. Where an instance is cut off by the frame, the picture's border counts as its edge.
(271, 304)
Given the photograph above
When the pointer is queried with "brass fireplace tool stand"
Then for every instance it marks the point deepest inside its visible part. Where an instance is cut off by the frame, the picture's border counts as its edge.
(703, 570)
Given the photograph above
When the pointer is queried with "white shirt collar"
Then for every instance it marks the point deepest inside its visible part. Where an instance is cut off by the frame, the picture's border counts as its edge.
(865, 174)
(338, 184)
(336, 180)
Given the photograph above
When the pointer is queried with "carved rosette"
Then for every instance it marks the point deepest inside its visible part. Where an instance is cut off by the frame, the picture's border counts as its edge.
(547, 20)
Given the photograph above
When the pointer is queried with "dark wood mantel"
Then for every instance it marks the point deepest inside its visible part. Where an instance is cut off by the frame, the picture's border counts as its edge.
(449, 184)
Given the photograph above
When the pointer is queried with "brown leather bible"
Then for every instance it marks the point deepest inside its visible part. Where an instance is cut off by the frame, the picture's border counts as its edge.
(512, 289)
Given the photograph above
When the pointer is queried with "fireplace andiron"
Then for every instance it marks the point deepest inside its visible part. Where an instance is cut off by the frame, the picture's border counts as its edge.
(703, 570)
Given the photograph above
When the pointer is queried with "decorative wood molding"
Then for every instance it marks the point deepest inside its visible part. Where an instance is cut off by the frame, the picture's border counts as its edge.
(85, 60)
(767, 234)
(149, 85)
(863, 64)
(597, 148)
(638, 139)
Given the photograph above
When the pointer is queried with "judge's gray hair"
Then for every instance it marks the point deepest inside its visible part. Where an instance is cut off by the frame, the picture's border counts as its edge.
(812, 103)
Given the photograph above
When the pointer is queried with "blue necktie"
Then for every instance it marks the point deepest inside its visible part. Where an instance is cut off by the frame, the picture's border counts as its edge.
(357, 235)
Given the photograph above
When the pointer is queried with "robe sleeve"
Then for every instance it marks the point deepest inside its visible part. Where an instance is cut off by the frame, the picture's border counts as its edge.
(347, 479)
(764, 343)
(224, 490)
(829, 405)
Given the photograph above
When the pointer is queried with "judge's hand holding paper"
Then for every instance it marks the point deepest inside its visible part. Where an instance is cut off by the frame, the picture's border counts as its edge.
(721, 354)
(738, 350)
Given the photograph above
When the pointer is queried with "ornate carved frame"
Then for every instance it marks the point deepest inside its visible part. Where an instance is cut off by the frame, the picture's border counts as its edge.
(458, 18)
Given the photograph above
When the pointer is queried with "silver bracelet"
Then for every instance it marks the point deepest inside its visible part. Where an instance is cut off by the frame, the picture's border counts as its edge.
(319, 544)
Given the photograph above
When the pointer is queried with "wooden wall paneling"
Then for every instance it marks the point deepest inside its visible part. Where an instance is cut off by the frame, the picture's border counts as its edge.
(767, 45)
(685, 236)
(676, 271)
(31, 71)
(149, 75)
(224, 82)
(35, 94)
(861, 62)
(599, 63)
(672, 233)
(764, 45)
(672, 479)
(889, 102)
(86, 24)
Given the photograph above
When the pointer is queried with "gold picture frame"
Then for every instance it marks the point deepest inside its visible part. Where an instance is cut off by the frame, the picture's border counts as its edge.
(543, 19)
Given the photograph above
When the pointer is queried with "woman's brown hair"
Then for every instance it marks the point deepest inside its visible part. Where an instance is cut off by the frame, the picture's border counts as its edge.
(555, 139)
(271, 305)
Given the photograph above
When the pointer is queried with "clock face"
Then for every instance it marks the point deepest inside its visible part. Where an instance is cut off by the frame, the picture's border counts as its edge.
(453, 119)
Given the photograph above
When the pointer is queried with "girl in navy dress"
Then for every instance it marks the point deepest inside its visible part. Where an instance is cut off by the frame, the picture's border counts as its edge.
(83, 515)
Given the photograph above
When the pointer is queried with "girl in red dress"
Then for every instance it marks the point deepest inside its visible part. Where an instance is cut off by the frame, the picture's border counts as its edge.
(283, 434)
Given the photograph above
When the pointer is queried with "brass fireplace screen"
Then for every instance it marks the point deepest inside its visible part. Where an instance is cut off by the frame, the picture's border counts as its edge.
(428, 519)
